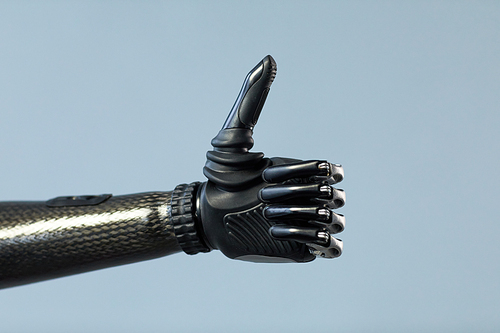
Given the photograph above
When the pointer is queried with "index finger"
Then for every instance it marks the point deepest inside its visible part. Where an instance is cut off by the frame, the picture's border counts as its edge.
(316, 170)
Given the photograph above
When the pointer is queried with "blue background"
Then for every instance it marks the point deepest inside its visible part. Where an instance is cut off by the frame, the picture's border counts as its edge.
(124, 97)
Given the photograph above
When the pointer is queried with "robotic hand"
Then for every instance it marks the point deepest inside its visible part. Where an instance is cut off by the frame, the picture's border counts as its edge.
(254, 208)
(251, 208)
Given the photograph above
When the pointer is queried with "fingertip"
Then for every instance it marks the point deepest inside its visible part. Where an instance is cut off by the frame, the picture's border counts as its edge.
(336, 173)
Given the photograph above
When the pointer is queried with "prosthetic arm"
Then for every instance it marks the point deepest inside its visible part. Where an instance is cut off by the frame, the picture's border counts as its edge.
(251, 208)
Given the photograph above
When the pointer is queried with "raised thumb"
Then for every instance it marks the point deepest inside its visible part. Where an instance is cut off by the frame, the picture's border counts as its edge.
(236, 133)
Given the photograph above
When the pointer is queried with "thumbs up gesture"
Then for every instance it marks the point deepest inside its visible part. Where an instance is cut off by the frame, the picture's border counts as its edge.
(266, 209)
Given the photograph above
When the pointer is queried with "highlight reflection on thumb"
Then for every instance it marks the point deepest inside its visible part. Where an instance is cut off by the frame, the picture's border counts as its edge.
(236, 133)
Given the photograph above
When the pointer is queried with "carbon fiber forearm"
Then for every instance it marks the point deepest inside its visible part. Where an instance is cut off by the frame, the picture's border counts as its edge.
(39, 242)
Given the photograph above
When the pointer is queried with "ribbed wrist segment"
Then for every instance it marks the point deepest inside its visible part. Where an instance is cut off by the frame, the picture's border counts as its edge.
(183, 218)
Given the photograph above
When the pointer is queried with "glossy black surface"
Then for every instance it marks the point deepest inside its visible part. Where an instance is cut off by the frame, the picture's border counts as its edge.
(243, 185)
(38, 242)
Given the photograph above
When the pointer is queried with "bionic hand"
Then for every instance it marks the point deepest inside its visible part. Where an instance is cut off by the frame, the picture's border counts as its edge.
(251, 208)
(259, 209)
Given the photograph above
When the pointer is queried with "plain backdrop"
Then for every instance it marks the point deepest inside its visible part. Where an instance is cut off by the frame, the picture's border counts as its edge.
(124, 97)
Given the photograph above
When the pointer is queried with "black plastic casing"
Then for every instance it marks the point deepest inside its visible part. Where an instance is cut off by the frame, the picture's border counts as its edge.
(228, 205)
(233, 222)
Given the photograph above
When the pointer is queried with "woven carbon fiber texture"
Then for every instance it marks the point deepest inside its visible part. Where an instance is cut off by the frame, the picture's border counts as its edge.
(38, 242)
